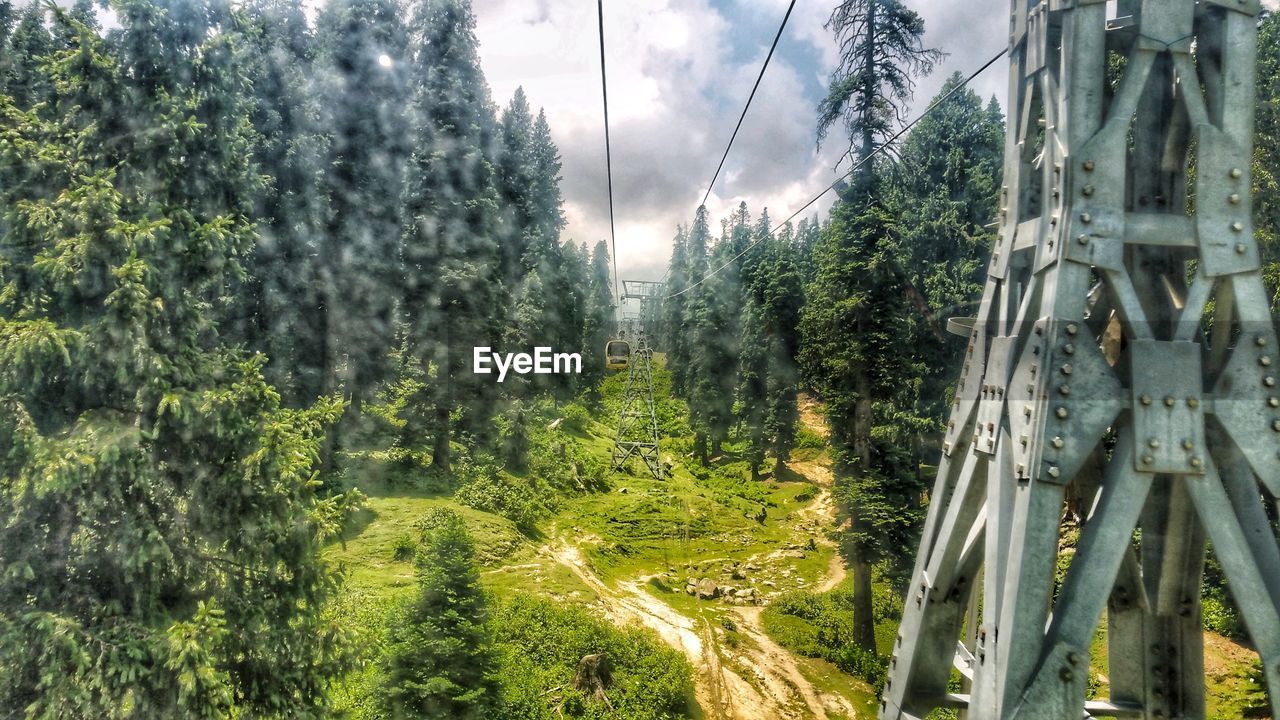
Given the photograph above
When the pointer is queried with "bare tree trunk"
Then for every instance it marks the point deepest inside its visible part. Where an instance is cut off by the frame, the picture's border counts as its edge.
(864, 623)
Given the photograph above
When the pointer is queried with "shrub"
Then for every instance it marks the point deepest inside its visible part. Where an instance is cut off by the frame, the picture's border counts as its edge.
(870, 666)
(403, 549)
(542, 643)
(487, 488)
(821, 626)
(806, 438)
(576, 418)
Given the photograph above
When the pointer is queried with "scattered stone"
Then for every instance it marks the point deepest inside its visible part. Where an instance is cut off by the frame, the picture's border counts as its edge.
(745, 594)
(622, 491)
(707, 589)
(770, 583)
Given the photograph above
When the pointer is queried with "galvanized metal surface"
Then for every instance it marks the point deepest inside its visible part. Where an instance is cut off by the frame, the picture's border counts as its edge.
(1120, 377)
(637, 421)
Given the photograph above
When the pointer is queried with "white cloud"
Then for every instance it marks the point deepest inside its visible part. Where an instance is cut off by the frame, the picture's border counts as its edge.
(675, 94)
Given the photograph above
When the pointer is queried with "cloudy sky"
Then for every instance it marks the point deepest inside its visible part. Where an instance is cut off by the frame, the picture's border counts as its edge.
(679, 73)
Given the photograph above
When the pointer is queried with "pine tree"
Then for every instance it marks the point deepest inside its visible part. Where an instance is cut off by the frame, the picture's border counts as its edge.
(440, 663)
(283, 315)
(358, 273)
(673, 314)
(944, 192)
(599, 323)
(528, 170)
(29, 42)
(881, 55)
(856, 356)
(714, 323)
(783, 299)
(695, 307)
(853, 324)
(574, 293)
(454, 289)
(515, 174)
(162, 531)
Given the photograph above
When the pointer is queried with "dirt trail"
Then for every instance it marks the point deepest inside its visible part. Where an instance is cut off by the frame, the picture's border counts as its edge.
(761, 680)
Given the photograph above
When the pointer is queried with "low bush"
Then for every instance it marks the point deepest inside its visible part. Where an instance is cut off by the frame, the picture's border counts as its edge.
(403, 549)
(576, 418)
(485, 487)
(821, 626)
(541, 643)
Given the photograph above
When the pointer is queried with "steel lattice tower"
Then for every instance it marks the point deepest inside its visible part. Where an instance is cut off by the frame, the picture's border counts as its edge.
(637, 421)
(1122, 364)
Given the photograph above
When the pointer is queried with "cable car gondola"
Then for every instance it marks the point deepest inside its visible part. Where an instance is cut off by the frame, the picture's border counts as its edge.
(617, 353)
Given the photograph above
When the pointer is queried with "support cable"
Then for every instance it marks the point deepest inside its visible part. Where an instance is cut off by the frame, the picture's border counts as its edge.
(608, 154)
(849, 172)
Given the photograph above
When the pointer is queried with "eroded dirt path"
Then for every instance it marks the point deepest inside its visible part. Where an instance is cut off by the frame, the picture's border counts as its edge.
(756, 680)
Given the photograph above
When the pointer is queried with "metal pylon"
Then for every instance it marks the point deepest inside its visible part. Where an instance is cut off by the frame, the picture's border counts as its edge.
(1123, 367)
(637, 422)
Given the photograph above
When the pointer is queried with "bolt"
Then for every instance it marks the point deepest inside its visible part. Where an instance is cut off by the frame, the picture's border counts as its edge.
(1066, 675)
(1188, 445)
(1066, 369)
(1069, 349)
(1234, 199)
(1087, 190)
(1146, 459)
(1145, 399)
(1073, 658)
(1265, 361)
(1072, 329)
(1064, 390)
(1236, 172)
(1269, 381)
(1275, 425)
(1169, 401)
(1153, 443)
(1062, 414)
(1193, 403)
(1236, 227)
(1260, 341)
(1241, 248)
(1086, 218)
(1054, 471)
(1083, 239)
(1196, 462)
(1273, 402)
(1057, 442)
(1088, 165)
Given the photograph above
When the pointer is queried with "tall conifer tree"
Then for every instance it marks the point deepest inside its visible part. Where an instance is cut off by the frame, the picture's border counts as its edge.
(853, 351)
(454, 284)
(160, 512)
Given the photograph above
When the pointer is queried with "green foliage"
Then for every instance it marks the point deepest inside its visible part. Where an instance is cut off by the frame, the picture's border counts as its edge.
(822, 626)
(404, 549)
(576, 418)
(1266, 157)
(439, 660)
(161, 507)
(598, 318)
(543, 642)
(484, 486)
